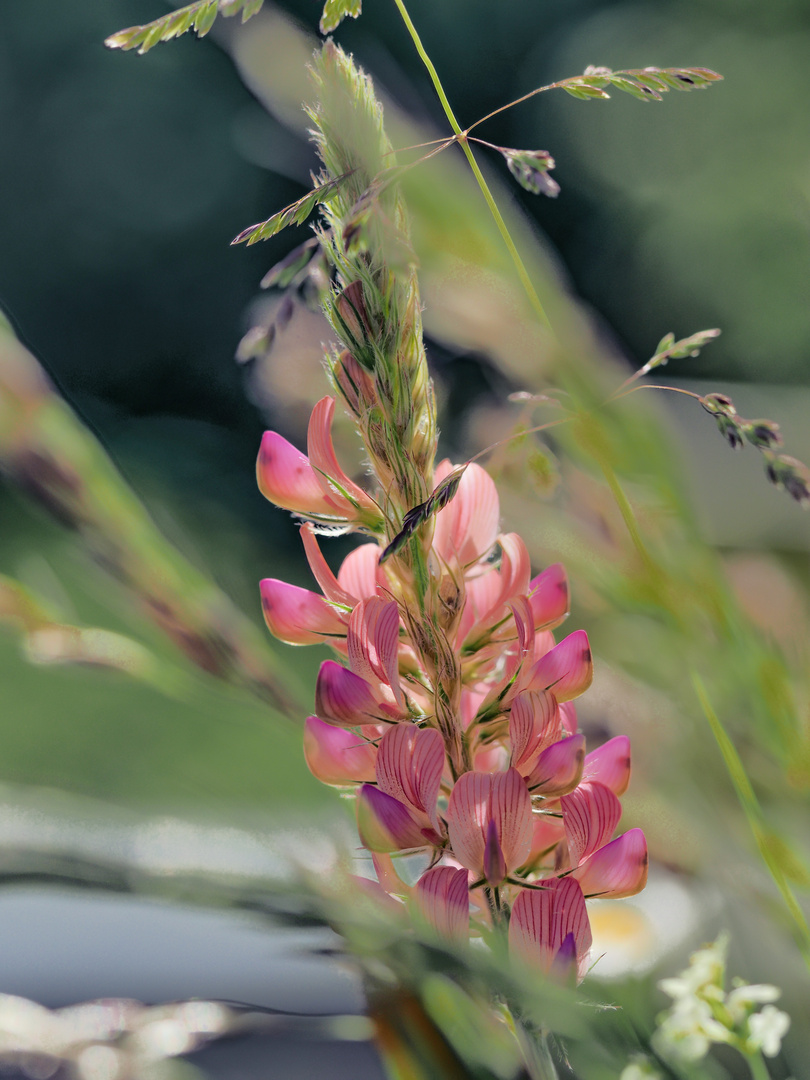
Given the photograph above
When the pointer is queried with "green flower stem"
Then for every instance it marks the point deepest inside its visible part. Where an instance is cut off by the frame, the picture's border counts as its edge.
(759, 1070)
(461, 138)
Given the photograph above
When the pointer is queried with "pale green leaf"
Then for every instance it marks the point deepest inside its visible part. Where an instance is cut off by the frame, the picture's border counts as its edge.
(335, 11)
(199, 15)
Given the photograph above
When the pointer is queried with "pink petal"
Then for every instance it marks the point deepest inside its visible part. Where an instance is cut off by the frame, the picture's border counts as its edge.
(549, 597)
(373, 642)
(359, 573)
(442, 896)
(567, 669)
(333, 480)
(590, 815)
(534, 723)
(341, 697)
(610, 764)
(467, 527)
(331, 586)
(286, 478)
(494, 861)
(543, 918)
(618, 869)
(559, 768)
(568, 716)
(513, 575)
(547, 832)
(337, 756)
(386, 824)
(478, 798)
(298, 616)
(409, 767)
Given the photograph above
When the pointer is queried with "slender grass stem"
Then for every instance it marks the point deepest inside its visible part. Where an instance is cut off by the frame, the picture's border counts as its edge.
(759, 1070)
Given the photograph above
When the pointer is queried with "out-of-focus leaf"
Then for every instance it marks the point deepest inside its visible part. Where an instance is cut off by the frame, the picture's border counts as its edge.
(294, 214)
(199, 16)
(335, 11)
(530, 169)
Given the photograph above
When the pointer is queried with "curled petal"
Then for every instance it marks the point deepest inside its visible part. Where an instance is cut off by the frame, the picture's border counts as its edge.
(567, 669)
(337, 756)
(373, 642)
(298, 616)
(443, 899)
(332, 588)
(476, 800)
(359, 573)
(590, 815)
(409, 767)
(467, 527)
(534, 723)
(542, 920)
(286, 478)
(618, 869)
(343, 698)
(386, 824)
(610, 764)
(549, 597)
(559, 768)
(332, 479)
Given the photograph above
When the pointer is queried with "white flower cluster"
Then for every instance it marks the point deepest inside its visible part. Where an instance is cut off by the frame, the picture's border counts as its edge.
(702, 1012)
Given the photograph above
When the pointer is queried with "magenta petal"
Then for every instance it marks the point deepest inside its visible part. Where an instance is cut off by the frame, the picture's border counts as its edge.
(330, 585)
(559, 768)
(618, 869)
(610, 764)
(333, 481)
(442, 896)
(567, 669)
(410, 763)
(478, 798)
(568, 717)
(386, 824)
(286, 478)
(543, 919)
(534, 723)
(494, 862)
(373, 642)
(298, 616)
(337, 756)
(467, 527)
(590, 815)
(549, 597)
(341, 697)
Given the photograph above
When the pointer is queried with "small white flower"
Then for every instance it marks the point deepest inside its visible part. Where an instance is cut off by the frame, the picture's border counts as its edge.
(704, 976)
(767, 1029)
(640, 1069)
(689, 1028)
(741, 1000)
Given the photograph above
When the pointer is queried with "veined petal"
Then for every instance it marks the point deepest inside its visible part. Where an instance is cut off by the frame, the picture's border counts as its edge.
(298, 616)
(386, 824)
(568, 717)
(559, 768)
(534, 723)
(567, 669)
(513, 575)
(343, 698)
(478, 798)
(286, 478)
(360, 571)
(590, 815)
(543, 918)
(618, 869)
(373, 642)
(442, 896)
(333, 480)
(610, 764)
(331, 586)
(549, 597)
(409, 767)
(467, 527)
(337, 756)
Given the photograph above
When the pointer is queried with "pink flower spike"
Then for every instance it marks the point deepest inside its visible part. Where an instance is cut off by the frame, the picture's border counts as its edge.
(343, 698)
(559, 768)
(479, 798)
(618, 869)
(298, 616)
(386, 824)
(534, 723)
(332, 589)
(410, 762)
(610, 764)
(442, 896)
(590, 815)
(337, 756)
(549, 597)
(467, 527)
(286, 478)
(567, 670)
(333, 480)
(373, 643)
(542, 920)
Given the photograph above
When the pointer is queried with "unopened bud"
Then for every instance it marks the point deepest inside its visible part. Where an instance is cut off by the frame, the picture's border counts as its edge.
(764, 434)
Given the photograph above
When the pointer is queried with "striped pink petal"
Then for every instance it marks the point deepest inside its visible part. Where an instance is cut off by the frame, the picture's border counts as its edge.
(286, 478)
(442, 896)
(534, 723)
(337, 756)
(331, 586)
(386, 824)
(543, 918)
(549, 597)
(590, 815)
(343, 698)
(373, 642)
(618, 869)
(467, 527)
(567, 669)
(298, 616)
(479, 798)
(610, 764)
(409, 767)
(333, 480)
(360, 571)
(559, 768)
(513, 576)
(568, 717)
